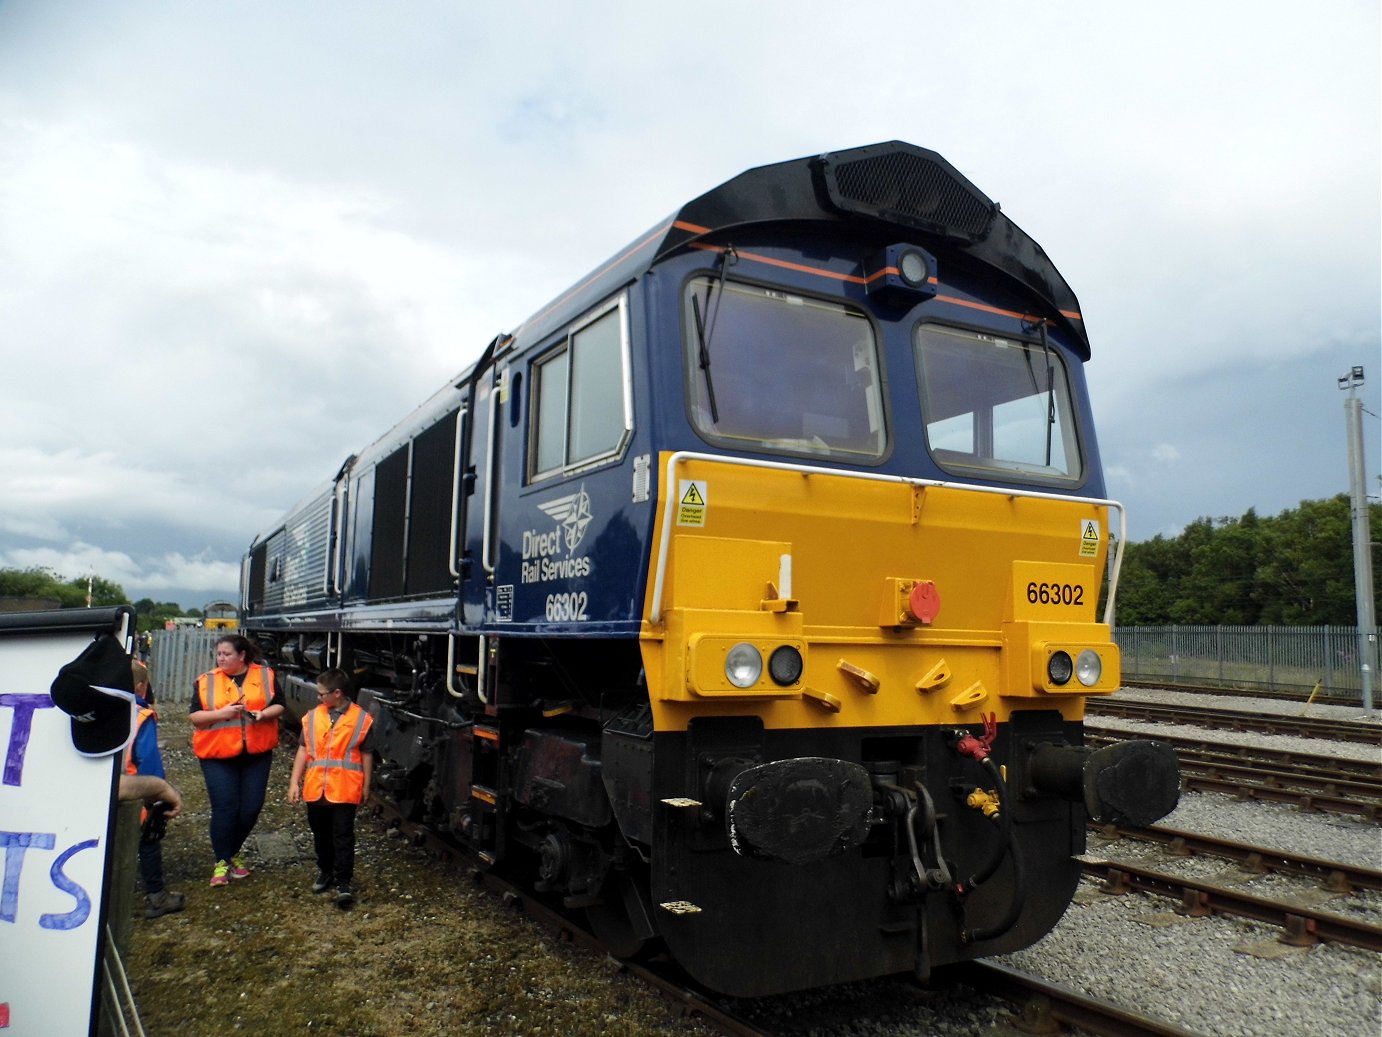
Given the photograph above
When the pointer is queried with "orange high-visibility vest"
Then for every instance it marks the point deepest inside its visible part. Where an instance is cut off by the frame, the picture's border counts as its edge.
(216, 690)
(144, 713)
(335, 764)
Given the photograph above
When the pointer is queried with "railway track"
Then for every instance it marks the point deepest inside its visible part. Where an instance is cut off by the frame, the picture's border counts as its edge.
(1309, 781)
(1251, 693)
(1332, 767)
(1037, 1005)
(1239, 720)
(1302, 925)
(1331, 875)
(1041, 1007)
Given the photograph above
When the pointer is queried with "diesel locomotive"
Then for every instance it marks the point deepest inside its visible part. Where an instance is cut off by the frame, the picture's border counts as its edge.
(747, 595)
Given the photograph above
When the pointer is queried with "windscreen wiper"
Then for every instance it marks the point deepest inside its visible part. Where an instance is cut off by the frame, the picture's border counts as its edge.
(1050, 393)
(704, 341)
(703, 333)
(1050, 385)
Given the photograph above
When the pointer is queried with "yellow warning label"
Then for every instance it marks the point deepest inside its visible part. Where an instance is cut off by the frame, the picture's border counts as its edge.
(1089, 538)
(691, 503)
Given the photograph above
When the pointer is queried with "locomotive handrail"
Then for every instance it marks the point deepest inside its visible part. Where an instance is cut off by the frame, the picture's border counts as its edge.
(457, 474)
(681, 456)
(491, 484)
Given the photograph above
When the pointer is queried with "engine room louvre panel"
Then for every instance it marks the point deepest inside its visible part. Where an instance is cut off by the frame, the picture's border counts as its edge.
(256, 581)
(305, 553)
(429, 510)
(390, 502)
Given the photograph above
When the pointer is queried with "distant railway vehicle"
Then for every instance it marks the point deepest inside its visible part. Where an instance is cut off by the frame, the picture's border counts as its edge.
(746, 595)
(220, 615)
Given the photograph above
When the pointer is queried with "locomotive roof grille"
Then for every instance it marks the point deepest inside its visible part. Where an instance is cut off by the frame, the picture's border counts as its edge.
(909, 186)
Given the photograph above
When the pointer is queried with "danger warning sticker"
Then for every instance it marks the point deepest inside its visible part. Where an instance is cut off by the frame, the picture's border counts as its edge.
(1089, 538)
(691, 503)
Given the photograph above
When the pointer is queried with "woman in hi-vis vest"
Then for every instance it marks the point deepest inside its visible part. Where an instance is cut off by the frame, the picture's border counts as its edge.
(235, 711)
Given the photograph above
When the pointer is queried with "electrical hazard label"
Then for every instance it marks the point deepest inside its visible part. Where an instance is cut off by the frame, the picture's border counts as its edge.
(691, 503)
(1089, 538)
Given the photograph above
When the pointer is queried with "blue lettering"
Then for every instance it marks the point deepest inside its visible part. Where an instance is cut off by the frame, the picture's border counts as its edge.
(78, 914)
(23, 706)
(14, 845)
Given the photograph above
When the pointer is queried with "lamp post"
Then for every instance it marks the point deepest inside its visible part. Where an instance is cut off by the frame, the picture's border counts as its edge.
(1362, 539)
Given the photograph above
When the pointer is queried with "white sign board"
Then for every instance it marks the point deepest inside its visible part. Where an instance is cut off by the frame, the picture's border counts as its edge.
(56, 823)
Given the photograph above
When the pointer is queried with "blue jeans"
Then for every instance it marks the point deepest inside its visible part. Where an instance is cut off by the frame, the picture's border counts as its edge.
(236, 786)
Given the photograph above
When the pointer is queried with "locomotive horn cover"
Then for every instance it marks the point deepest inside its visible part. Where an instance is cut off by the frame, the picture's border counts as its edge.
(799, 810)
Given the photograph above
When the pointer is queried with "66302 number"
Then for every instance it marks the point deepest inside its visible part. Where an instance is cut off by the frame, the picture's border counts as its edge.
(1039, 593)
(566, 607)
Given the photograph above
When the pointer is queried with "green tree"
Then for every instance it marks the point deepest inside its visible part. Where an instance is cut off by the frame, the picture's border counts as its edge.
(41, 582)
(1307, 570)
(1295, 568)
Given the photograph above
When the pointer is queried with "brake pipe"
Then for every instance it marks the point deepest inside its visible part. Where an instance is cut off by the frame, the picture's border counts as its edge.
(998, 813)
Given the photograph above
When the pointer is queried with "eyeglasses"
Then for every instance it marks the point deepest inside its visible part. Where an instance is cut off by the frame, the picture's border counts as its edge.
(325, 694)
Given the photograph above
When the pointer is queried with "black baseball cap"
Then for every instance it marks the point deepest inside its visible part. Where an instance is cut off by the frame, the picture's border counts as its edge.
(96, 690)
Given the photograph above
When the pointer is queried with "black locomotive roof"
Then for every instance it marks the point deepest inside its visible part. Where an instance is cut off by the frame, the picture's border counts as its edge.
(894, 185)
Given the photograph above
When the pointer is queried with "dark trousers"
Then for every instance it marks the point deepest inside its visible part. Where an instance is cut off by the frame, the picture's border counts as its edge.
(333, 837)
(151, 865)
(236, 787)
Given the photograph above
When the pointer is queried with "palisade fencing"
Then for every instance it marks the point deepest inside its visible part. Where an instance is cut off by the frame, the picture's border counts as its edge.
(177, 658)
(1276, 658)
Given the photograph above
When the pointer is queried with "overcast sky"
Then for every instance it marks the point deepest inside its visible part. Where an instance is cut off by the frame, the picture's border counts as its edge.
(238, 241)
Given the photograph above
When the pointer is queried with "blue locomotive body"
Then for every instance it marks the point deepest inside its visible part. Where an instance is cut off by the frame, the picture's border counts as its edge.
(708, 597)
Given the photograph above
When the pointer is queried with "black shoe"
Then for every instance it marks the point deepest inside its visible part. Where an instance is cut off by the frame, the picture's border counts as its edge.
(165, 903)
(323, 883)
(344, 897)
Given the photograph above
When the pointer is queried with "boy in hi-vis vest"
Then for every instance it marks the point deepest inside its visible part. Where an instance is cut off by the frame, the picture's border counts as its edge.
(331, 774)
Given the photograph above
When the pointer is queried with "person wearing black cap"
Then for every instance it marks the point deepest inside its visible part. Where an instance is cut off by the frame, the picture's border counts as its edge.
(235, 710)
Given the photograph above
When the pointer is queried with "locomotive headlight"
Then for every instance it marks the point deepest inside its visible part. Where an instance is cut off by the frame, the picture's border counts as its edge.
(913, 267)
(1059, 667)
(1089, 667)
(785, 665)
(743, 665)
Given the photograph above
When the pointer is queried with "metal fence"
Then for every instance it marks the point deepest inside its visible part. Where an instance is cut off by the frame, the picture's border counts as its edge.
(1284, 658)
(177, 658)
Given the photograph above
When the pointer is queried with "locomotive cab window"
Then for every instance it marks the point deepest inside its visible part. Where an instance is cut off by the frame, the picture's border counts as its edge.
(997, 404)
(769, 370)
(580, 399)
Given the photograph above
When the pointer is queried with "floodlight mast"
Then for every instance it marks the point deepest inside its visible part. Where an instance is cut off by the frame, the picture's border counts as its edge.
(1362, 539)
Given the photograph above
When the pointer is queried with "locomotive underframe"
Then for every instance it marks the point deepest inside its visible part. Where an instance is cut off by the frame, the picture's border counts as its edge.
(561, 780)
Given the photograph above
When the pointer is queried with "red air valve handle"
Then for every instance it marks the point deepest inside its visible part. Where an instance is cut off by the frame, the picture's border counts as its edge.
(978, 748)
(924, 601)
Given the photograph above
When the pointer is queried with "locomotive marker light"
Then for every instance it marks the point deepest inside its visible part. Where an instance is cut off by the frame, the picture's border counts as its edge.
(1059, 668)
(785, 665)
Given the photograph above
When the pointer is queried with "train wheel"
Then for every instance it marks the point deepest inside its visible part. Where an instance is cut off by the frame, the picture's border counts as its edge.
(623, 920)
